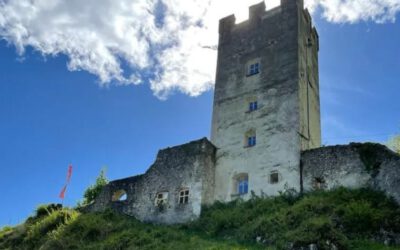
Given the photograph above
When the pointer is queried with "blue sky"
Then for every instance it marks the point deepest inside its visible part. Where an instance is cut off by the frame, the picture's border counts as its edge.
(54, 112)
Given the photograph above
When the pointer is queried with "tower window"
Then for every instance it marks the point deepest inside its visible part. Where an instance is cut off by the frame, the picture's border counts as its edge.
(250, 138)
(241, 184)
(251, 141)
(243, 187)
(184, 196)
(253, 69)
(253, 106)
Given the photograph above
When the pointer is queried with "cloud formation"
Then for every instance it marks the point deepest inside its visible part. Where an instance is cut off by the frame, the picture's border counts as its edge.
(352, 11)
(170, 44)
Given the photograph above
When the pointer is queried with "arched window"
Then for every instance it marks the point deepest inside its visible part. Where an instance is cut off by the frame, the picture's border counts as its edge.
(250, 138)
(241, 184)
(251, 104)
(119, 195)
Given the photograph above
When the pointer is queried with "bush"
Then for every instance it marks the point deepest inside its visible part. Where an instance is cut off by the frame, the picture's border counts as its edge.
(94, 190)
(336, 217)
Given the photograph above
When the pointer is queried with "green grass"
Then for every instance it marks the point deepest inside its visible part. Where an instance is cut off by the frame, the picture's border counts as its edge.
(348, 219)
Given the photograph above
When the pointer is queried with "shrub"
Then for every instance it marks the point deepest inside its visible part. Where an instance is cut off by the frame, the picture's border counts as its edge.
(94, 190)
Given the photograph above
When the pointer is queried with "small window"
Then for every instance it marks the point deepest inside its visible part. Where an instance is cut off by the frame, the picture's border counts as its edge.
(253, 69)
(319, 183)
(243, 187)
(251, 141)
(253, 106)
(241, 184)
(184, 196)
(274, 177)
(250, 138)
(161, 198)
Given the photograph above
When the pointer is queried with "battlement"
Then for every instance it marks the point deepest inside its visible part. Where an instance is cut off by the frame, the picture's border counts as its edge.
(256, 13)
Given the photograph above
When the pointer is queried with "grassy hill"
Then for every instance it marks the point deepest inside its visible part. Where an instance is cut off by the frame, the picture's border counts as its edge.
(342, 218)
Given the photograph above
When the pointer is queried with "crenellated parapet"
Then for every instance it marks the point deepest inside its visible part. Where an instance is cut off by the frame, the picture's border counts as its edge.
(256, 12)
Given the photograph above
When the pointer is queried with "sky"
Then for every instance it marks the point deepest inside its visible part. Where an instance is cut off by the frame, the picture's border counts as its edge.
(103, 84)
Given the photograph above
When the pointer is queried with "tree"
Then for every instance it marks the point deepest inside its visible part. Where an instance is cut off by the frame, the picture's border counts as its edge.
(394, 143)
(94, 190)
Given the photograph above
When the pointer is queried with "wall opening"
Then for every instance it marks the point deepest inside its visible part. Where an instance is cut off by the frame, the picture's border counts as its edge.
(119, 195)
(161, 201)
(319, 183)
(274, 177)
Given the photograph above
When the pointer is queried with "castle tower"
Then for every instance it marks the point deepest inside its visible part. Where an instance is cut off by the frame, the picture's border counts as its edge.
(266, 102)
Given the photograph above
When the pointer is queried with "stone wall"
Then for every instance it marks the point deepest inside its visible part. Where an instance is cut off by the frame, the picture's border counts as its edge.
(189, 166)
(353, 166)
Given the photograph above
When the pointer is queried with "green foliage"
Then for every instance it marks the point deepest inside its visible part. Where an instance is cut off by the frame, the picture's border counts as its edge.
(369, 245)
(46, 209)
(48, 224)
(337, 217)
(348, 219)
(94, 190)
(67, 229)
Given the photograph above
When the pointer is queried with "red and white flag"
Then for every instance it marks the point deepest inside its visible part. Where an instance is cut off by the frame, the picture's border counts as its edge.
(62, 193)
(69, 174)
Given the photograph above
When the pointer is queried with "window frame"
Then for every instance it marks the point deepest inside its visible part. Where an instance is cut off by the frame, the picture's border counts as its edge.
(251, 141)
(253, 69)
(240, 184)
(184, 196)
(243, 186)
(253, 106)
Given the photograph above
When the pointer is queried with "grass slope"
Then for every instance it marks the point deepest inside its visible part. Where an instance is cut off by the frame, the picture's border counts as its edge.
(348, 219)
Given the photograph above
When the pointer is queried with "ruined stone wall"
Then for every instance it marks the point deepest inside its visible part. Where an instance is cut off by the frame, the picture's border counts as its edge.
(353, 166)
(189, 166)
(270, 38)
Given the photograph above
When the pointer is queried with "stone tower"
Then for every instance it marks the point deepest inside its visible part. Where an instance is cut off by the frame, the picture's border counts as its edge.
(266, 102)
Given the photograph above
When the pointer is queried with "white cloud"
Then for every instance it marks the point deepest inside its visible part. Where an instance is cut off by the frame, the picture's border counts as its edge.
(352, 11)
(167, 41)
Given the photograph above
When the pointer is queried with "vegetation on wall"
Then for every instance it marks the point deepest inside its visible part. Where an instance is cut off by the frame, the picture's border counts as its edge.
(94, 190)
(373, 154)
(346, 219)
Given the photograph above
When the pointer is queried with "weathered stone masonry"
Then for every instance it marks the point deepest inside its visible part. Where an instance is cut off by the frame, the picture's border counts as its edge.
(186, 167)
(353, 166)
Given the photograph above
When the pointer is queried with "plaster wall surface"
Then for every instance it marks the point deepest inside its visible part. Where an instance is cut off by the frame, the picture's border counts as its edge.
(271, 39)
